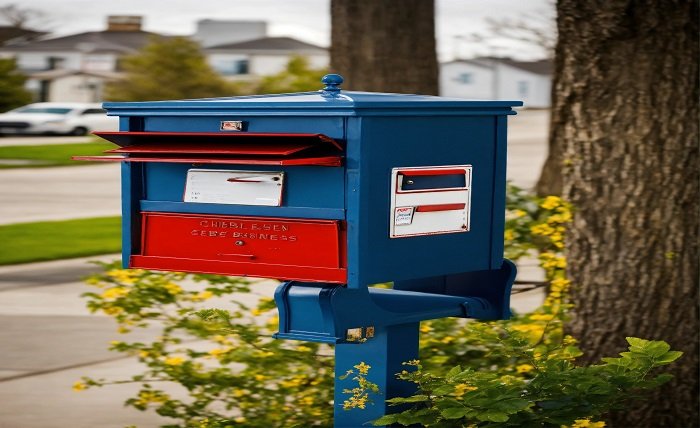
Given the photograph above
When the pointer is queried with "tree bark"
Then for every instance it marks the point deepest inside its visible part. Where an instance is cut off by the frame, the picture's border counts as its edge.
(550, 181)
(385, 46)
(627, 118)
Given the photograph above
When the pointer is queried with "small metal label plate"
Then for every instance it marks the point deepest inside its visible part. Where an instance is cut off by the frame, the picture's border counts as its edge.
(231, 125)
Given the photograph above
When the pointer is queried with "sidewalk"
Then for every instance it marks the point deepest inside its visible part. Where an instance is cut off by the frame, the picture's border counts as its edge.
(49, 340)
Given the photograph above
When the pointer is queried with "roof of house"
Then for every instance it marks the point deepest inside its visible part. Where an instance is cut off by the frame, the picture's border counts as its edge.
(93, 41)
(543, 66)
(9, 33)
(60, 73)
(270, 44)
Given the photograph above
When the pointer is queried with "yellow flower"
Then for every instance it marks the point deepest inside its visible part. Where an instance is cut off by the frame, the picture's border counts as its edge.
(586, 423)
(173, 288)
(569, 340)
(363, 368)
(509, 235)
(303, 348)
(256, 311)
(425, 328)
(144, 354)
(79, 386)
(238, 393)
(202, 296)
(542, 229)
(462, 388)
(221, 340)
(308, 400)
(558, 284)
(551, 202)
(524, 368)
(551, 261)
(174, 361)
(239, 420)
(519, 213)
(113, 310)
(115, 293)
(273, 321)
(260, 377)
(447, 339)
(542, 317)
(508, 379)
(218, 352)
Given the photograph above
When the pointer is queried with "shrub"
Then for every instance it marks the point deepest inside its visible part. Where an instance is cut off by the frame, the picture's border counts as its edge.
(521, 372)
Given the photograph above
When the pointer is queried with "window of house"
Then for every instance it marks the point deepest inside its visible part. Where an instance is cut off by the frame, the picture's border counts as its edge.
(56, 62)
(465, 78)
(232, 67)
(523, 88)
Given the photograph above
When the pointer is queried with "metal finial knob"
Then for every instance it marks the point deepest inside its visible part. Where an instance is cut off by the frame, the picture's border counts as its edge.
(332, 82)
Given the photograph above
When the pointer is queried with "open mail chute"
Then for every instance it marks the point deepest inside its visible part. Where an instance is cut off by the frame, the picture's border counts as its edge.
(245, 148)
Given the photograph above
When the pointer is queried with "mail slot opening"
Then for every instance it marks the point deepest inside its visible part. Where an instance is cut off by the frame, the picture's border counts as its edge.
(222, 148)
(417, 180)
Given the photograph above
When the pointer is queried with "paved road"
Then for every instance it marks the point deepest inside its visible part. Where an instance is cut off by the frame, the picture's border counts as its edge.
(34, 194)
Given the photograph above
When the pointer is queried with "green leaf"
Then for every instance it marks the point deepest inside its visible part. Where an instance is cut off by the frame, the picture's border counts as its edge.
(657, 348)
(385, 420)
(455, 412)
(512, 405)
(454, 371)
(443, 390)
(416, 399)
(636, 342)
(668, 357)
(493, 416)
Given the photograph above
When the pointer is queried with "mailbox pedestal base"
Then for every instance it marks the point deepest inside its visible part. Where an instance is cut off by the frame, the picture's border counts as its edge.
(385, 353)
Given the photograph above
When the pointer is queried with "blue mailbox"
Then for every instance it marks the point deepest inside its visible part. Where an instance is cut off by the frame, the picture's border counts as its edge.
(331, 192)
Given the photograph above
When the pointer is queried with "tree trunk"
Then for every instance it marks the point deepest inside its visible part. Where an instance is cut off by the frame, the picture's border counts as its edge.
(385, 46)
(627, 116)
(550, 181)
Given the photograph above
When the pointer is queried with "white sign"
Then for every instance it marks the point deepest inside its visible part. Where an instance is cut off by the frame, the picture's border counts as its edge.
(213, 186)
(430, 200)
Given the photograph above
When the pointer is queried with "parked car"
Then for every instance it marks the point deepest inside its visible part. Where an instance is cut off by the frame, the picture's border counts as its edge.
(57, 118)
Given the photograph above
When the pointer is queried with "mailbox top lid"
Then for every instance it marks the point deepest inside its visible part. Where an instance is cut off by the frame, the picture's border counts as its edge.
(329, 100)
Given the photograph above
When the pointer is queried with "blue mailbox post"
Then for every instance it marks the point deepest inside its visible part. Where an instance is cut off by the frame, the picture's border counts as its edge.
(331, 192)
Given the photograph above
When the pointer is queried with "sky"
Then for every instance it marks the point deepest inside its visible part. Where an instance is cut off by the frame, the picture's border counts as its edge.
(307, 20)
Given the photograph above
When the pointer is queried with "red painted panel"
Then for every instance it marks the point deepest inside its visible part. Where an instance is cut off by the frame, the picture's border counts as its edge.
(234, 245)
(132, 138)
(317, 161)
(276, 148)
(439, 207)
(260, 270)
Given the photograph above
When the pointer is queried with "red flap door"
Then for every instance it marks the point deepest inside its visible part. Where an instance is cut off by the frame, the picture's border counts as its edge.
(267, 247)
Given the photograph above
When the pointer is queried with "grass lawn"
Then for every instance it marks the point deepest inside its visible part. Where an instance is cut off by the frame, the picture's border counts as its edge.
(52, 240)
(49, 154)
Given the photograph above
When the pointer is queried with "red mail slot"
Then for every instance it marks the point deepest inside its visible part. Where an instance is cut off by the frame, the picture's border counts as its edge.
(305, 250)
(251, 148)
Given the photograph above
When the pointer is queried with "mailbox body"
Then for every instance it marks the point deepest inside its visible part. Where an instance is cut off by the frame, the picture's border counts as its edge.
(343, 211)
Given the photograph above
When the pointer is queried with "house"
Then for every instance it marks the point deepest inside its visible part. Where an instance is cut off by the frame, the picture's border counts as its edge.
(261, 57)
(76, 67)
(498, 79)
